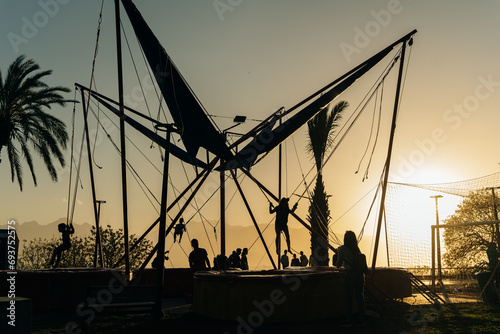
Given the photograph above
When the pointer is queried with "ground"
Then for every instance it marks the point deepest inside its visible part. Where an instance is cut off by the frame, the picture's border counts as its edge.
(401, 317)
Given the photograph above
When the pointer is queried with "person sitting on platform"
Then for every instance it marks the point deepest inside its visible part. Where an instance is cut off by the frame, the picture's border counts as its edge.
(244, 260)
(284, 260)
(66, 231)
(179, 228)
(281, 223)
(220, 262)
(312, 261)
(231, 259)
(156, 262)
(198, 258)
(303, 259)
(295, 261)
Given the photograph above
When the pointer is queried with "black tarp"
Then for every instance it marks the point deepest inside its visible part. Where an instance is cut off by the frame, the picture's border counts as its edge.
(189, 117)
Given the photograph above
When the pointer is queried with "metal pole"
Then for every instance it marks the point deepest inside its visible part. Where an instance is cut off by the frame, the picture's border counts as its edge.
(181, 211)
(163, 223)
(433, 269)
(222, 174)
(497, 231)
(438, 240)
(98, 247)
(91, 170)
(252, 217)
(389, 154)
(467, 224)
(386, 242)
(278, 245)
(122, 138)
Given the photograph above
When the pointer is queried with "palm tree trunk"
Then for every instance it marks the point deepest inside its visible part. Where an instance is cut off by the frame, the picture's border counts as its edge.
(319, 216)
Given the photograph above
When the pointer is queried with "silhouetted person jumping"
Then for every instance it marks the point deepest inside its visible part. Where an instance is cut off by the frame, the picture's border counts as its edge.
(66, 231)
(281, 223)
(179, 228)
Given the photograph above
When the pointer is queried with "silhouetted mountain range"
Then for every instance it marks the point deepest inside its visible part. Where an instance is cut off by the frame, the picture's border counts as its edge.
(33, 230)
(237, 236)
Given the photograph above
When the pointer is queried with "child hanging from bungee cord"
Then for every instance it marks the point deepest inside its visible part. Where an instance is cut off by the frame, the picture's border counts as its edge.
(179, 228)
(281, 223)
(66, 231)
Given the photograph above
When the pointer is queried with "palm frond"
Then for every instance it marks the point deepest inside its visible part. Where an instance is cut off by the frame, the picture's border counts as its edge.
(321, 131)
(23, 121)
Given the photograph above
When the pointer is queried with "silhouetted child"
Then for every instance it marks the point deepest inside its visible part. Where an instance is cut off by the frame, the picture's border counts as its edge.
(303, 259)
(284, 260)
(244, 260)
(66, 231)
(156, 262)
(179, 228)
(220, 262)
(234, 258)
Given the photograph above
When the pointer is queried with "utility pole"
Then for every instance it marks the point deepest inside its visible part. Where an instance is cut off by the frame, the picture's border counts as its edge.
(438, 240)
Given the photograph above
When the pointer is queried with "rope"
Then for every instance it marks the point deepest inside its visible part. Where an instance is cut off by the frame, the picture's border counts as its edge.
(134, 172)
(136, 72)
(92, 77)
(73, 120)
(351, 121)
(365, 176)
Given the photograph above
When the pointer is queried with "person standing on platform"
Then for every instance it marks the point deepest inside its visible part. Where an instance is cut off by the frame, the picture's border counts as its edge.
(349, 255)
(303, 259)
(198, 258)
(244, 259)
(284, 260)
(295, 261)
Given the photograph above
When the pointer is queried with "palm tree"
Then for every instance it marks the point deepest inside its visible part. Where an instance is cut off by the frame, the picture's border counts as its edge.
(320, 130)
(24, 124)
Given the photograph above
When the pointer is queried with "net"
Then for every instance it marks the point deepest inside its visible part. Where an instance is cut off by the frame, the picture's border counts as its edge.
(411, 210)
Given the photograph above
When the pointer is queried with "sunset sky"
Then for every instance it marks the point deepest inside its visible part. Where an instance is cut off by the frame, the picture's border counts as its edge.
(251, 58)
